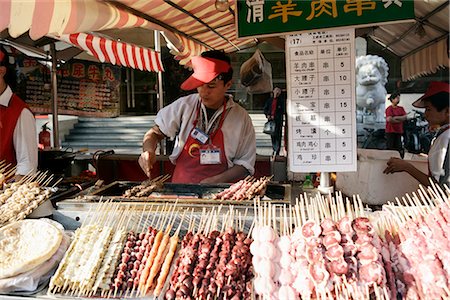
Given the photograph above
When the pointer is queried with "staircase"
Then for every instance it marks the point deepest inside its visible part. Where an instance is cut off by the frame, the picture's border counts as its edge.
(124, 134)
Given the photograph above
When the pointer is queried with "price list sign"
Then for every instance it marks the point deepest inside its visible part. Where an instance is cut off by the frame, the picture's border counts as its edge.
(321, 101)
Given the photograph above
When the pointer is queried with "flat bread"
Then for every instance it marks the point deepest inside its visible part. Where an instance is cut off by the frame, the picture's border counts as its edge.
(25, 245)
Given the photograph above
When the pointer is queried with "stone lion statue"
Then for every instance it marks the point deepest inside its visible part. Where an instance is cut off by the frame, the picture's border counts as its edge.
(371, 77)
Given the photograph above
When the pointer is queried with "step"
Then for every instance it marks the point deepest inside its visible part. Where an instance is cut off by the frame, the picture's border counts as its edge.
(111, 124)
(104, 143)
(103, 138)
(120, 119)
(106, 130)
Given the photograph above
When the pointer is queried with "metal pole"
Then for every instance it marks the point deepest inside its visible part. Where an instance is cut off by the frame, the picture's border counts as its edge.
(128, 88)
(160, 86)
(54, 97)
(159, 92)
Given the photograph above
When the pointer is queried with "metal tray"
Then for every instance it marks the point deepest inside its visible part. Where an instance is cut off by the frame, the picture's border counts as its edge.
(274, 191)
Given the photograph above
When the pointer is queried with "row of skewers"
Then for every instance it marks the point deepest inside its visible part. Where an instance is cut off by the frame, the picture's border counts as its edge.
(7, 171)
(112, 257)
(416, 230)
(322, 247)
(214, 261)
(115, 255)
(245, 189)
(19, 199)
(146, 187)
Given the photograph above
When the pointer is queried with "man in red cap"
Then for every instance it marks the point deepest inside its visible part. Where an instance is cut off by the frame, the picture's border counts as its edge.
(18, 141)
(436, 104)
(214, 136)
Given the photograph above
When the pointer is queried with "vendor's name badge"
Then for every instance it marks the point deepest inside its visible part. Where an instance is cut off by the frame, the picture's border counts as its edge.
(209, 156)
(199, 135)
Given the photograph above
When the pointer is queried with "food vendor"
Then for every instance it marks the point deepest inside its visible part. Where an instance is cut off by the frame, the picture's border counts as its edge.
(215, 139)
(436, 104)
(18, 142)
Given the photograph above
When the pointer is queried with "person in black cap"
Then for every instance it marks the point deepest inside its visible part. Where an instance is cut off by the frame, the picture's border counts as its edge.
(215, 138)
(436, 104)
(18, 141)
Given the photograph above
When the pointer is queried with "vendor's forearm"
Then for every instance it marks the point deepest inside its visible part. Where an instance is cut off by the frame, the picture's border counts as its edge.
(423, 178)
(151, 139)
(231, 175)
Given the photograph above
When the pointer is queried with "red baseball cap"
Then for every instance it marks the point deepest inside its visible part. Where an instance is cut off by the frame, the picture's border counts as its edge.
(434, 88)
(205, 70)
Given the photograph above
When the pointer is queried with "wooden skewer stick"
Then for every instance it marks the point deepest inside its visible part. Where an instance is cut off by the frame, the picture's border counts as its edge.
(10, 173)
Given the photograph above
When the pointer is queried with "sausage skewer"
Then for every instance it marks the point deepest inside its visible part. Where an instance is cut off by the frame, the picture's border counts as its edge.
(173, 244)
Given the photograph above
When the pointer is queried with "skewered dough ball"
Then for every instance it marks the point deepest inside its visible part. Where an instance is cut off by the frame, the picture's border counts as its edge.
(287, 292)
(284, 244)
(267, 234)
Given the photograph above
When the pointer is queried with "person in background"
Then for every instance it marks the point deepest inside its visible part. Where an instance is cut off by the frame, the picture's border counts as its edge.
(436, 103)
(18, 142)
(395, 116)
(275, 109)
(215, 138)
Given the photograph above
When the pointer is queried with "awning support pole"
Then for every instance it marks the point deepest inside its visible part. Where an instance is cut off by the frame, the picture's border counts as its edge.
(56, 144)
(159, 94)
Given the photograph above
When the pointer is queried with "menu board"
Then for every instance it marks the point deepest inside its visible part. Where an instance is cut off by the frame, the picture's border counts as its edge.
(321, 105)
(84, 88)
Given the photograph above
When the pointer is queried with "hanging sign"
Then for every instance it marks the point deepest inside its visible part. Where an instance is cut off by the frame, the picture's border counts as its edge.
(257, 18)
(321, 105)
(85, 88)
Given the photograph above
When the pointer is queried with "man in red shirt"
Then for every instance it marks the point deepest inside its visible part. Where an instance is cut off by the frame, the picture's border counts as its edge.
(395, 116)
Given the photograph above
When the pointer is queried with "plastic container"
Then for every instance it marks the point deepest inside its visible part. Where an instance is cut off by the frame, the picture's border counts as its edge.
(307, 184)
(374, 187)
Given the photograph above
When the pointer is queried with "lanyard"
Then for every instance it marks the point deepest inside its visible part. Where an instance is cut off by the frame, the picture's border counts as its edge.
(442, 130)
(222, 118)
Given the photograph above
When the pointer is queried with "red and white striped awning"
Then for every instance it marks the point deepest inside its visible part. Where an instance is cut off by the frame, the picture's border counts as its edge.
(68, 19)
(115, 52)
(197, 24)
(189, 26)
(57, 17)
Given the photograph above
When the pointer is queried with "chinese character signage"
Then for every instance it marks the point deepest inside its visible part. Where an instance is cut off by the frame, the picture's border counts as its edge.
(320, 70)
(84, 88)
(270, 17)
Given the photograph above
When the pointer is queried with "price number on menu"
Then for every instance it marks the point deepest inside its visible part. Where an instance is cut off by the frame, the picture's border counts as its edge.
(295, 41)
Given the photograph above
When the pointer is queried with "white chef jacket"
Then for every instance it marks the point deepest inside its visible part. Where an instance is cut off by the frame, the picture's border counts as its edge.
(439, 152)
(176, 121)
(24, 138)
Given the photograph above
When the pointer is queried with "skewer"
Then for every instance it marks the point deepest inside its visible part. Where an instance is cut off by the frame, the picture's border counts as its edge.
(436, 189)
(191, 221)
(361, 206)
(9, 173)
(294, 215)
(291, 220)
(6, 167)
(302, 211)
(57, 182)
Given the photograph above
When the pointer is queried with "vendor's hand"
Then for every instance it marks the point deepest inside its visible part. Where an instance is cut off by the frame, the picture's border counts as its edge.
(146, 161)
(395, 165)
